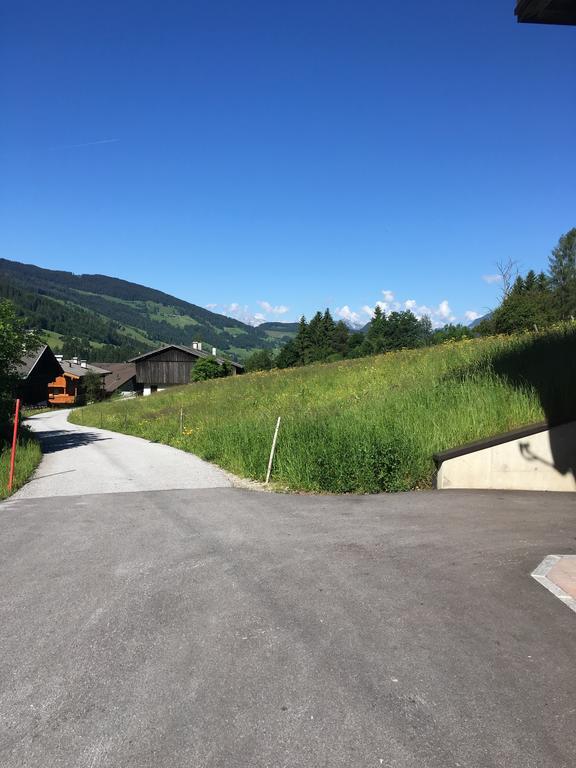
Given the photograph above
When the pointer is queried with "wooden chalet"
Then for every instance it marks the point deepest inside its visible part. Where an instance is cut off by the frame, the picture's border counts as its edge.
(35, 373)
(546, 11)
(172, 365)
(66, 389)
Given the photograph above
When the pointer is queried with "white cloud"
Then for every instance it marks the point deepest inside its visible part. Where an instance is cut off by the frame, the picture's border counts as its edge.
(242, 312)
(444, 310)
(281, 309)
(346, 314)
(384, 306)
(490, 279)
(439, 316)
(470, 315)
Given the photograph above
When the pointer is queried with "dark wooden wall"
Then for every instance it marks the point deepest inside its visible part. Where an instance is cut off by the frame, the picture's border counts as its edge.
(166, 367)
(34, 389)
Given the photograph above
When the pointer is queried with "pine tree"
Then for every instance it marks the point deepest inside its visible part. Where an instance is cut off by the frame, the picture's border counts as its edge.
(377, 333)
(315, 339)
(530, 281)
(328, 335)
(518, 286)
(542, 282)
(302, 343)
(341, 338)
(562, 264)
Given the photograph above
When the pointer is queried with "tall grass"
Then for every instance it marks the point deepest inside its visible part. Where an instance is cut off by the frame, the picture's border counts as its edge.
(28, 455)
(365, 425)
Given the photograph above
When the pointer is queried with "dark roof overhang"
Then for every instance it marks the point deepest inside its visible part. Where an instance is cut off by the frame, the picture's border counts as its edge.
(546, 11)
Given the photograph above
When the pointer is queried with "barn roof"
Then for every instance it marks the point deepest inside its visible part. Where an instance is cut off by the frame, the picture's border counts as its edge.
(119, 374)
(187, 350)
(546, 11)
(29, 362)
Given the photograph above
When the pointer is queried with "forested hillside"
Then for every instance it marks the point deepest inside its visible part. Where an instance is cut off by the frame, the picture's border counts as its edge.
(84, 313)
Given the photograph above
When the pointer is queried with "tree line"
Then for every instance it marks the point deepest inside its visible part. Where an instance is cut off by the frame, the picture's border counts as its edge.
(529, 302)
(324, 340)
(536, 301)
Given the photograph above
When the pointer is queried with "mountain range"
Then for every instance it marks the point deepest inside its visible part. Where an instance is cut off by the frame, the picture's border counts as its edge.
(114, 319)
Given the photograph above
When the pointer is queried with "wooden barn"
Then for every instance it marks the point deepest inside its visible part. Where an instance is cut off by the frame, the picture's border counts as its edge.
(35, 373)
(172, 365)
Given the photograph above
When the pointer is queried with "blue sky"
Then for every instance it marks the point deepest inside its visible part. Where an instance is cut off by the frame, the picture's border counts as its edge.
(271, 159)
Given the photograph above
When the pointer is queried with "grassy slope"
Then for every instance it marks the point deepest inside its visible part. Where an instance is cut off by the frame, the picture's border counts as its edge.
(364, 425)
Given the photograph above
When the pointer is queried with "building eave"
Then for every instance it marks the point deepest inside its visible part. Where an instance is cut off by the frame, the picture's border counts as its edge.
(561, 12)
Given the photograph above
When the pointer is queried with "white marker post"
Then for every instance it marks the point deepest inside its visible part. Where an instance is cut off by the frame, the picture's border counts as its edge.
(272, 451)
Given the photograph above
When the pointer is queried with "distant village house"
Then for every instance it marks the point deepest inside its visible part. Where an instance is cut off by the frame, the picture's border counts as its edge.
(66, 389)
(172, 365)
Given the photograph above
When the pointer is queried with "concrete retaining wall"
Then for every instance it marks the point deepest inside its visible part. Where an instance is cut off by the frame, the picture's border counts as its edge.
(537, 458)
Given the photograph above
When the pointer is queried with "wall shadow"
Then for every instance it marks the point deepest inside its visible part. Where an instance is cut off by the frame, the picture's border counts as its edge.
(547, 366)
(61, 440)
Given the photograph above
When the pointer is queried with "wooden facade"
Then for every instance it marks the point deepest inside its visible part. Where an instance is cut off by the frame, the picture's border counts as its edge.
(64, 389)
(67, 389)
(36, 372)
(171, 365)
(165, 367)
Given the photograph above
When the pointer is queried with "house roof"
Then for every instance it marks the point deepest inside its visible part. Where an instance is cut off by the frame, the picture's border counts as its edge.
(189, 351)
(69, 366)
(29, 362)
(119, 374)
(546, 11)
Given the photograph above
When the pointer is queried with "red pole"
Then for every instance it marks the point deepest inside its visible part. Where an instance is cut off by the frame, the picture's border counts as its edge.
(14, 442)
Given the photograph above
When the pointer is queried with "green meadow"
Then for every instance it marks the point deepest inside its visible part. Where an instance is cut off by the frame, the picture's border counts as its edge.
(365, 425)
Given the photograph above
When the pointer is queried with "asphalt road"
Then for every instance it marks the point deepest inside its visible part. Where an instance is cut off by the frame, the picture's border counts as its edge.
(222, 627)
(89, 460)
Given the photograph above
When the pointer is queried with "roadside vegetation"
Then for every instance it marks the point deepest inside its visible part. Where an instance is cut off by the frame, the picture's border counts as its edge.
(365, 425)
(28, 455)
(16, 341)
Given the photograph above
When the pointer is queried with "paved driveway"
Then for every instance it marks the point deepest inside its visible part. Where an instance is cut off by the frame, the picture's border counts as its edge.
(221, 627)
(89, 460)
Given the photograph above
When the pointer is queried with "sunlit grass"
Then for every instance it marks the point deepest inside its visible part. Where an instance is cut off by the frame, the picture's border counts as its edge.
(364, 425)
(28, 455)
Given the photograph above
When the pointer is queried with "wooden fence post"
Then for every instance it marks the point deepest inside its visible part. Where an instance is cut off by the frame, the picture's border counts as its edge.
(272, 451)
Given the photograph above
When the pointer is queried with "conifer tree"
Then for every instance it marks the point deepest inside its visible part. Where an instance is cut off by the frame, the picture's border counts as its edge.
(563, 273)
(530, 281)
(341, 338)
(328, 335)
(302, 343)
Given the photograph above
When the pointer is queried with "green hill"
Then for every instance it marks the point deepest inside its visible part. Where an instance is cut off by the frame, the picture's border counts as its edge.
(365, 425)
(119, 318)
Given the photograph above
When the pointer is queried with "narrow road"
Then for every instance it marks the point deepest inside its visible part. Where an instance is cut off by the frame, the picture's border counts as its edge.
(217, 627)
(79, 460)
